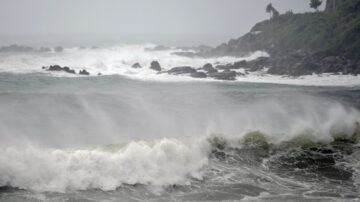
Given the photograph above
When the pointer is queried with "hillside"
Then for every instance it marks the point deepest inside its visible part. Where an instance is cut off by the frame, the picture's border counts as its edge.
(335, 31)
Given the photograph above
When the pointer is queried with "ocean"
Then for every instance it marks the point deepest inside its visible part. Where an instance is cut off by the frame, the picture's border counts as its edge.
(136, 135)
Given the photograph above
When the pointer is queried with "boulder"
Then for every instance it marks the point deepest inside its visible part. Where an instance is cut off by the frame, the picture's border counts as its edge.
(59, 68)
(182, 70)
(155, 66)
(240, 64)
(84, 72)
(136, 65)
(209, 68)
(225, 75)
(198, 75)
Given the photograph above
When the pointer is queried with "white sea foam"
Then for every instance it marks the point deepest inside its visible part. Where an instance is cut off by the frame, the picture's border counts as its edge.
(173, 160)
(118, 60)
(164, 162)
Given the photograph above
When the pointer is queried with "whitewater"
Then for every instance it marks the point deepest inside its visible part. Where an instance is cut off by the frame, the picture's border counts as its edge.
(135, 135)
(118, 60)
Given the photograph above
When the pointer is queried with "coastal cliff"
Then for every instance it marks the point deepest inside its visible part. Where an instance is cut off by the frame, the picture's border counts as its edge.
(306, 43)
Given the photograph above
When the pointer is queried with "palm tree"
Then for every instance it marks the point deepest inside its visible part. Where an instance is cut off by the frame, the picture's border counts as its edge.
(315, 4)
(269, 9)
(273, 12)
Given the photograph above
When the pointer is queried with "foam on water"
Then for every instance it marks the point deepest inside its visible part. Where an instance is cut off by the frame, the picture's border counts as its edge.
(164, 162)
(115, 60)
(119, 59)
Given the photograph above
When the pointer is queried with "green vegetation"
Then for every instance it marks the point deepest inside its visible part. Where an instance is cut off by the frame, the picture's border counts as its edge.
(315, 4)
(335, 32)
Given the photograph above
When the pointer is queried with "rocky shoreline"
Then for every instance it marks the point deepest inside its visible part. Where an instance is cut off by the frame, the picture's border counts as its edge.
(293, 64)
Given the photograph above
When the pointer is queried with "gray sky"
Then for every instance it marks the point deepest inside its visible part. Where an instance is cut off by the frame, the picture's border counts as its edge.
(167, 21)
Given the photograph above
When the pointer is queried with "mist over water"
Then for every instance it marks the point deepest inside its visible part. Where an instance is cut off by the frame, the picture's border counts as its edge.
(62, 134)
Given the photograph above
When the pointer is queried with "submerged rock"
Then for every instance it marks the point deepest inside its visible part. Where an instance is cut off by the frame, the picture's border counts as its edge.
(155, 66)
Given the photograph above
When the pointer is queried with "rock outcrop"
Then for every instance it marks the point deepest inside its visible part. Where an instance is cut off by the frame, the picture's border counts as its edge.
(155, 66)
(58, 68)
(84, 72)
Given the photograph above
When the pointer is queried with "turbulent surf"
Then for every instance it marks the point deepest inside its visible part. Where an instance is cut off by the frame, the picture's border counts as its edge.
(134, 135)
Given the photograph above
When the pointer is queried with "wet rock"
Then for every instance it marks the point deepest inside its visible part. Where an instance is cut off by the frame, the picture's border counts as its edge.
(258, 64)
(209, 68)
(198, 75)
(182, 70)
(59, 68)
(240, 64)
(84, 72)
(225, 75)
(155, 66)
(136, 65)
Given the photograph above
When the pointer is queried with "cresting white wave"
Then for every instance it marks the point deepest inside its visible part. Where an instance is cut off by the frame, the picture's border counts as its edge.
(118, 60)
(167, 161)
(164, 162)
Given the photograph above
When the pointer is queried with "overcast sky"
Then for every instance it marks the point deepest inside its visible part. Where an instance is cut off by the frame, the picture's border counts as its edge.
(173, 21)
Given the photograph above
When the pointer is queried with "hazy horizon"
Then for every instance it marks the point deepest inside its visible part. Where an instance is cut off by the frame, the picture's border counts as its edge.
(92, 22)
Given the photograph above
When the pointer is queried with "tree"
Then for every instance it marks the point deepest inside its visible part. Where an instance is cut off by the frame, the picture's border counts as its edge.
(273, 12)
(269, 8)
(315, 4)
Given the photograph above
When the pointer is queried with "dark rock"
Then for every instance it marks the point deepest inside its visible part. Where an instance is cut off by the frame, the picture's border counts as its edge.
(136, 65)
(68, 70)
(155, 66)
(239, 64)
(58, 49)
(59, 68)
(209, 68)
(225, 75)
(198, 75)
(99, 74)
(84, 72)
(258, 64)
(182, 70)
